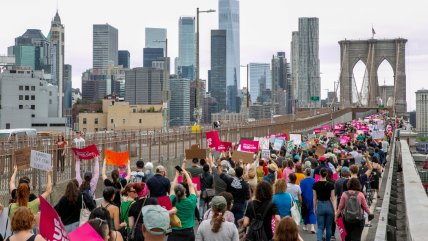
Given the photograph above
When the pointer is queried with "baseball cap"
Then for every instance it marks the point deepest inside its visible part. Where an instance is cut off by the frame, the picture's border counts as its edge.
(218, 202)
(321, 158)
(156, 219)
(345, 169)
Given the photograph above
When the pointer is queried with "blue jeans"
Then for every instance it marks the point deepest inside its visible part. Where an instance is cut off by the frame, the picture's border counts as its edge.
(238, 210)
(325, 218)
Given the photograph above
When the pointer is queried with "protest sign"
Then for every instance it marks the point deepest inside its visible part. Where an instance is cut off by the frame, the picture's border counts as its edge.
(290, 146)
(213, 139)
(87, 153)
(330, 134)
(50, 226)
(320, 151)
(326, 127)
(196, 129)
(85, 232)
(305, 146)
(5, 223)
(341, 227)
(265, 154)
(296, 138)
(278, 144)
(249, 146)
(317, 130)
(22, 158)
(377, 135)
(116, 158)
(40, 160)
(263, 143)
(195, 152)
(195, 180)
(223, 146)
(165, 202)
(246, 157)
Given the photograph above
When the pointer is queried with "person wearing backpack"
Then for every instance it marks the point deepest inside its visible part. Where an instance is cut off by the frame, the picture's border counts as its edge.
(258, 217)
(351, 207)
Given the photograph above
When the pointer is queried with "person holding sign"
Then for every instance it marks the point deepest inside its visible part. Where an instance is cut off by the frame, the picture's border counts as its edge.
(22, 180)
(118, 182)
(23, 194)
(22, 225)
(89, 183)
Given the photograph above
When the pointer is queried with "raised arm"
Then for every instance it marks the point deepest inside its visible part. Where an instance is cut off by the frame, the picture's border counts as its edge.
(174, 182)
(48, 190)
(12, 184)
(103, 171)
(96, 175)
(128, 173)
(190, 183)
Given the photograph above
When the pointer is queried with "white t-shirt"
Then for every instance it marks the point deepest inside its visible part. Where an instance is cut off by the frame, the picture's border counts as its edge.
(294, 190)
(79, 142)
(227, 232)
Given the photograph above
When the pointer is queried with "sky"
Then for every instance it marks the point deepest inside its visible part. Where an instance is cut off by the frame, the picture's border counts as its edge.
(266, 28)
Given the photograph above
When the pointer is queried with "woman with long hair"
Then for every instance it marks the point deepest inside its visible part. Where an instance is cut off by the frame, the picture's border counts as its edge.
(89, 182)
(119, 179)
(325, 204)
(308, 214)
(217, 228)
(130, 195)
(107, 203)
(61, 145)
(287, 230)
(101, 227)
(288, 169)
(68, 207)
(282, 199)
(103, 214)
(22, 225)
(228, 215)
(23, 194)
(262, 203)
(299, 174)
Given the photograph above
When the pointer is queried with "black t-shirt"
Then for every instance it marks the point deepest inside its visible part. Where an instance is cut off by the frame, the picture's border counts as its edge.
(158, 186)
(31, 198)
(206, 181)
(239, 188)
(118, 186)
(255, 207)
(135, 210)
(323, 190)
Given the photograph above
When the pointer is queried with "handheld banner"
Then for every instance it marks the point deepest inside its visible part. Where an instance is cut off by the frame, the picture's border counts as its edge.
(87, 153)
(116, 158)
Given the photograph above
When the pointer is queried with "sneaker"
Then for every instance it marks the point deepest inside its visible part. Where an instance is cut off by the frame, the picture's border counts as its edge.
(304, 228)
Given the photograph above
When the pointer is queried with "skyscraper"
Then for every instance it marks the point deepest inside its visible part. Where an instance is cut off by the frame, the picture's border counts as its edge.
(67, 86)
(180, 101)
(217, 75)
(186, 47)
(295, 64)
(56, 38)
(32, 50)
(281, 81)
(229, 21)
(104, 46)
(143, 86)
(150, 55)
(260, 79)
(124, 58)
(153, 36)
(309, 82)
(422, 112)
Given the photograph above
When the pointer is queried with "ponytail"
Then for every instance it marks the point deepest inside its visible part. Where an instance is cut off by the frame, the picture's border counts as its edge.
(217, 220)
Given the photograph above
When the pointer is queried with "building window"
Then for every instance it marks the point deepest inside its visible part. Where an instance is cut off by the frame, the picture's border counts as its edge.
(50, 93)
(140, 121)
(84, 121)
(33, 107)
(21, 97)
(21, 87)
(50, 102)
(134, 110)
(84, 129)
(96, 121)
(123, 120)
(27, 87)
(96, 129)
(7, 125)
(27, 97)
(33, 88)
(21, 107)
(33, 115)
(33, 97)
(111, 121)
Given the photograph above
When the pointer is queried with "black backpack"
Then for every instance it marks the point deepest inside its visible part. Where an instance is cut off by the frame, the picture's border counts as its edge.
(256, 231)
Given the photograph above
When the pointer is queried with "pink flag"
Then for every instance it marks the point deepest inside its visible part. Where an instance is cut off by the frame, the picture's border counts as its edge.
(51, 227)
(213, 139)
(344, 141)
(317, 130)
(223, 146)
(341, 226)
(249, 146)
(84, 232)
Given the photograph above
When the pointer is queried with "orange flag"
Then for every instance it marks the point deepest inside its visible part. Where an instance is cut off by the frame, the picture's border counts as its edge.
(116, 158)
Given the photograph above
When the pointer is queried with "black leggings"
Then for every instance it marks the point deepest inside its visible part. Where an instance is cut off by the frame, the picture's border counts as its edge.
(182, 235)
(353, 230)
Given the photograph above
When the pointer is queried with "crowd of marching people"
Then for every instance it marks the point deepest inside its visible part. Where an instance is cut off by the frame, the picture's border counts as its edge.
(319, 189)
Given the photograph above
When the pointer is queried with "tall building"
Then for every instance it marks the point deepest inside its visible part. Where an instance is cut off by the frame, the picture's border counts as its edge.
(201, 97)
(143, 86)
(229, 20)
(150, 55)
(124, 58)
(67, 86)
(260, 79)
(217, 74)
(309, 81)
(422, 112)
(295, 64)
(56, 38)
(281, 81)
(186, 48)
(32, 50)
(179, 104)
(155, 38)
(105, 42)
(98, 83)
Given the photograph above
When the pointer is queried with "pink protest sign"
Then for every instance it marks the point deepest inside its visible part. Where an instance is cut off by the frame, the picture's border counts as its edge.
(213, 139)
(317, 130)
(195, 180)
(51, 227)
(326, 127)
(165, 202)
(341, 226)
(223, 146)
(85, 232)
(249, 146)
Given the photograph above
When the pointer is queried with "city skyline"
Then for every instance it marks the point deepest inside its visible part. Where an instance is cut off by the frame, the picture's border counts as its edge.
(261, 37)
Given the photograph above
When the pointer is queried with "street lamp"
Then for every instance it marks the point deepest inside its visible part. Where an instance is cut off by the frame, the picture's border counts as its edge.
(197, 112)
(165, 87)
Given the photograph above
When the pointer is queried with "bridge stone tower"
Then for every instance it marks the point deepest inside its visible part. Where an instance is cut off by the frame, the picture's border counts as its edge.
(372, 53)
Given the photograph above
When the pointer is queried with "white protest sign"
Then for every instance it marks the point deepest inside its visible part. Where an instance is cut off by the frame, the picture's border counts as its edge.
(5, 230)
(377, 135)
(278, 144)
(296, 138)
(265, 154)
(40, 160)
(263, 143)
